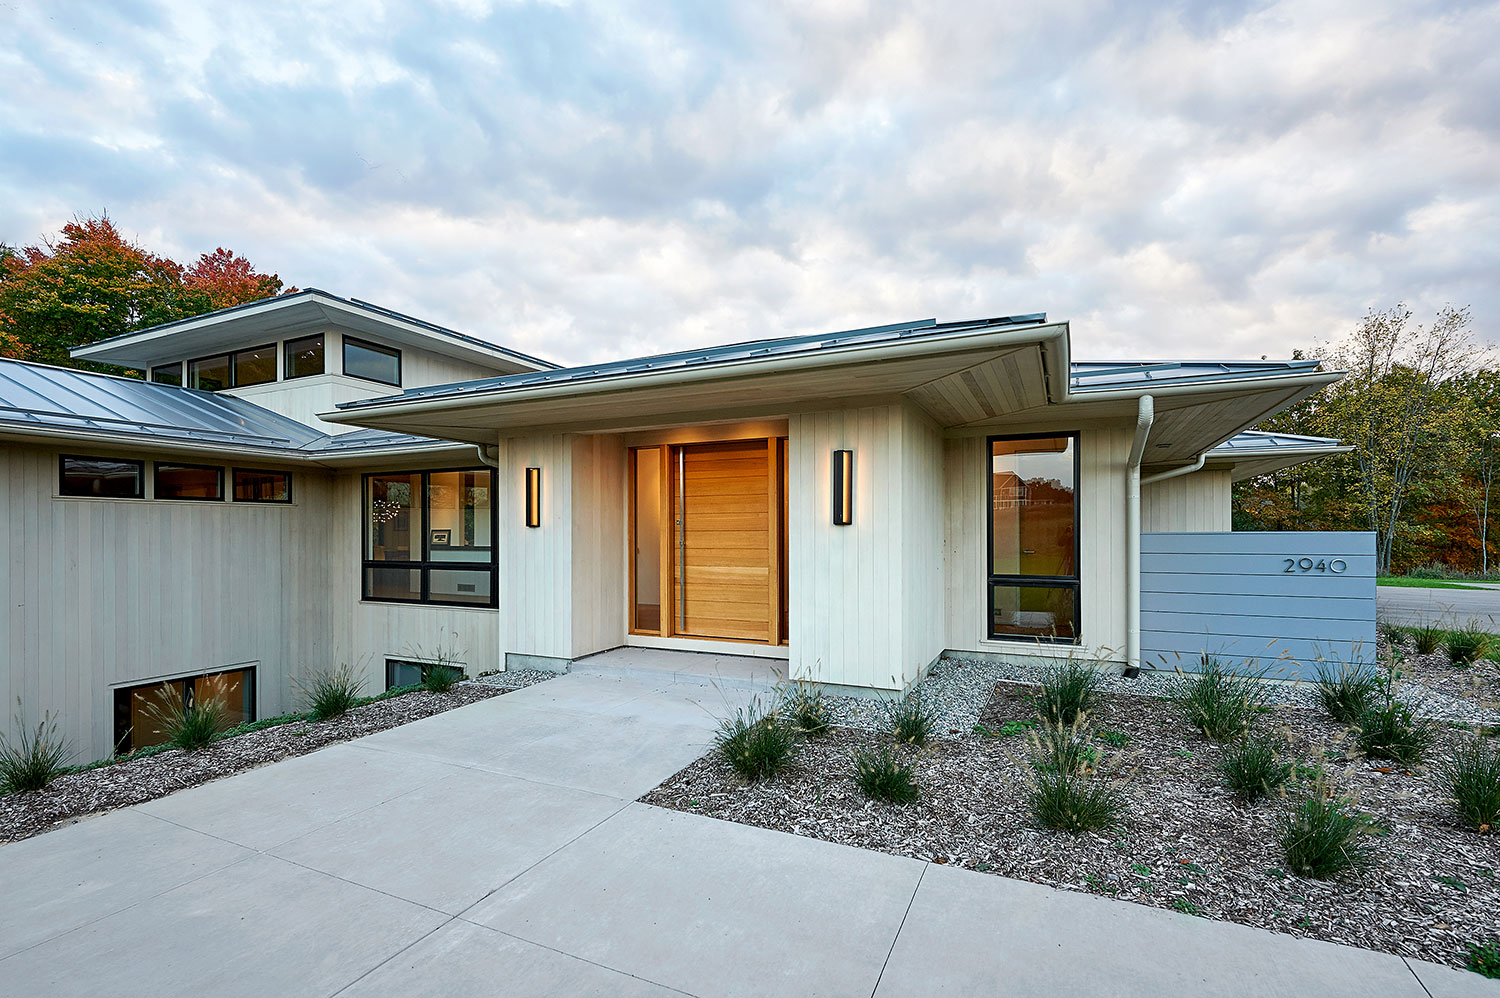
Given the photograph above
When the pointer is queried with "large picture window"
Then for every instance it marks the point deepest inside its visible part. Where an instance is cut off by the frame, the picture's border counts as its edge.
(429, 537)
(1033, 537)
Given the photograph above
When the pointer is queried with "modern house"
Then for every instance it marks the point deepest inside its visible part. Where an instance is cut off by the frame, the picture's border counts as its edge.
(309, 480)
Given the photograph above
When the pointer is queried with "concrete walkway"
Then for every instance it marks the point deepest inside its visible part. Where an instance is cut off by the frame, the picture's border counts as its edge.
(496, 849)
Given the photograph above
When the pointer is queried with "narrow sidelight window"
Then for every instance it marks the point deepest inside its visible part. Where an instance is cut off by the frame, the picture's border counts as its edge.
(101, 477)
(647, 539)
(371, 362)
(1033, 538)
(262, 486)
(304, 357)
(189, 481)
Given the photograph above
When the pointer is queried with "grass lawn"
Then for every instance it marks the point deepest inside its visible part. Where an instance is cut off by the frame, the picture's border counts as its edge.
(1401, 580)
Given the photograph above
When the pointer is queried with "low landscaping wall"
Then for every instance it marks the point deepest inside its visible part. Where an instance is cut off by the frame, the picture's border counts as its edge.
(1282, 601)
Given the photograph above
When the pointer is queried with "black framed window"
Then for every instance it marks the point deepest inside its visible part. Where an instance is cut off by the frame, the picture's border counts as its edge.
(101, 477)
(400, 672)
(140, 710)
(304, 357)
(262, 486)
(429, 537)
(209, 374)
(256, 366)
(202, 482)
(371, 362)
(1033, 537)
(167, 374)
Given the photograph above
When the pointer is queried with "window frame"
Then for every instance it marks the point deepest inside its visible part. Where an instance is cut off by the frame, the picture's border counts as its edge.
(425, 566)
(234, 366)
(156, 467)
(151, 374)
(62, 475)
(374, 347)
(235, 472)
(287, 348)
(992, 580)
(116, 692)
(228, 356)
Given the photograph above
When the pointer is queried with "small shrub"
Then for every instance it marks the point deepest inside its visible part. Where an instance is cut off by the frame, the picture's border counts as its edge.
(1348, 691)
(1073, 802)
(188, 726)
(1069, 688)
(1322, 838)
(1114, 739)
(1472, 778)
(807, 710)
(440, 678)
(911, 720)
(35, 759)
(1467, 645)
(882, 775)
(1426, 638)
(331, 692)
(1061, 749)
(1217, 702)
(755, 743)
(1253, 768)
(1484, 958)
(1394, 731)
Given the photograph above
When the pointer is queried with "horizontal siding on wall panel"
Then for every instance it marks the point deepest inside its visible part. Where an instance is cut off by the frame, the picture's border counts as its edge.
(1228, 594)
(1287, 659)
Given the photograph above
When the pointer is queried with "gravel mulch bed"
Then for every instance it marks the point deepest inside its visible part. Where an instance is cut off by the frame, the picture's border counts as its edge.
(1184, 843)
(122, 784)
(516, 679)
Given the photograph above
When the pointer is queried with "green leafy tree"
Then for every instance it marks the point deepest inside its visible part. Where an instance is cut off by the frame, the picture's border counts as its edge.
(93, 283)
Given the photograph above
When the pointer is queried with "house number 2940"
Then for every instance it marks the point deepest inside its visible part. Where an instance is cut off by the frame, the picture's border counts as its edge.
(1335, 565)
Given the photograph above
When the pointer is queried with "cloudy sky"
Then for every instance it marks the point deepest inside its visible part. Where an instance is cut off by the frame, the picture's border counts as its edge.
(589, 181)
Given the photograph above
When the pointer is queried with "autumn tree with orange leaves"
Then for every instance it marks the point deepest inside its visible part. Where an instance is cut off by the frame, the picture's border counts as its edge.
(92, 283)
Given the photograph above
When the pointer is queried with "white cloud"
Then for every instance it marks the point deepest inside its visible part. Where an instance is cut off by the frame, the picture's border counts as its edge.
(589, 181)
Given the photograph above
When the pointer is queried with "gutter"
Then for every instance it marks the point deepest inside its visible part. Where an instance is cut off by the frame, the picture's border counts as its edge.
(1145, 417)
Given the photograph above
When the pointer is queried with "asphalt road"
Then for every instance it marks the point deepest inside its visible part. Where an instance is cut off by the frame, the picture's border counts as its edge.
(1451, 607)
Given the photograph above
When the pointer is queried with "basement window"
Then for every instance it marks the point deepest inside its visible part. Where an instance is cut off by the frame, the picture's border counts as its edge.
(142, 712)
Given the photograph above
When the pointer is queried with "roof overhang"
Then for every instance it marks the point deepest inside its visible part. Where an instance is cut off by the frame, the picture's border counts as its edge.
(967, 373)
(1275, 452)
(287, 316)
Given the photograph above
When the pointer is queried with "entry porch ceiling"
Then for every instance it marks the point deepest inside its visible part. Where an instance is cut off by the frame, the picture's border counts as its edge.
(983, 381)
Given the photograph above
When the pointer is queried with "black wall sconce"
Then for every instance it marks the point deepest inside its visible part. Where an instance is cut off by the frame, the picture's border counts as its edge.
(533, 497)
(843, 488)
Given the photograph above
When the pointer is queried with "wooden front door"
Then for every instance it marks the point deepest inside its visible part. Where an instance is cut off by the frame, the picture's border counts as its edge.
(726, 505)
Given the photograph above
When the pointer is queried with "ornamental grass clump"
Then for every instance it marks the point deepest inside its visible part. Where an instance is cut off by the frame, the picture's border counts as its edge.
(1065, 787)
(755, 742)
(1253, 768)
(1471, 777)
(189, 723)
(1069, 688)
(1467, 645)
(1393, 729)
(440, 678)
(881, 774)
(1322, 837)
(1220, 703)
(806, 710)
(911, 720)
(35, 758)
(331, 692)
(1426, 638)
(1063, 748)
(1348, 690)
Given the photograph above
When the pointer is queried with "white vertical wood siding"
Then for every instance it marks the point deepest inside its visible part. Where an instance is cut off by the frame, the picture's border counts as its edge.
(99, 593)
(536, 564)
(863, 598)
(1101, 497)
(598, 555)
(1196, 502)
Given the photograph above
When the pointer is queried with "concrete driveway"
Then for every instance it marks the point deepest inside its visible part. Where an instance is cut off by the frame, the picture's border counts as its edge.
(1447, 607)
(496, 849)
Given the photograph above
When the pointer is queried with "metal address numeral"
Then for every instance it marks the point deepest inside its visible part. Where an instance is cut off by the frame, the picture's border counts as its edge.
(1336, 566)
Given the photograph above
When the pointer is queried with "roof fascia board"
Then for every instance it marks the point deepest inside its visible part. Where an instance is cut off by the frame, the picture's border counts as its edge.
(955, 342)
(1208, 385)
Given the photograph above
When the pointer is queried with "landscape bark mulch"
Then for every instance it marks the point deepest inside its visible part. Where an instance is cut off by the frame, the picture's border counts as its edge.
(1184, 842)
(75, 795)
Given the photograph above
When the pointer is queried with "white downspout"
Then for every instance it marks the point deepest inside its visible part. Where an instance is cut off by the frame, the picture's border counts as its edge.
(1145, 416)
(1186, 469)
(490, 455)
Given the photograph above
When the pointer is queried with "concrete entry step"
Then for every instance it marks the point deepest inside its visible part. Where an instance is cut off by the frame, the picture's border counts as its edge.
(736, 672)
